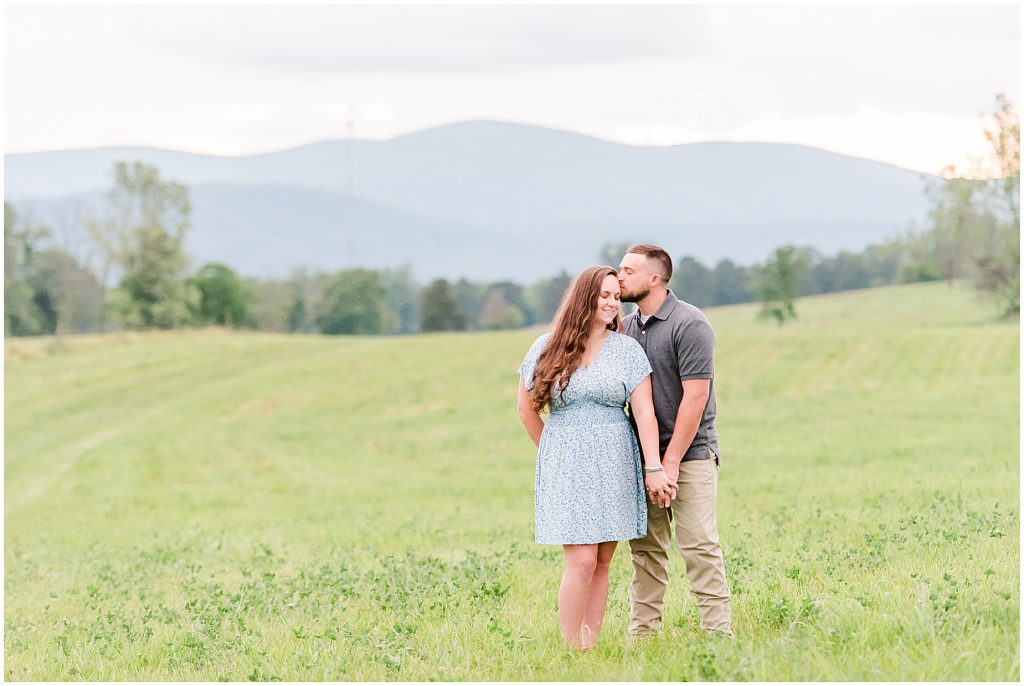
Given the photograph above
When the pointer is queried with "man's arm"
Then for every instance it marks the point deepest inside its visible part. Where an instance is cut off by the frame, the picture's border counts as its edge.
(695, 356)
(691, 409)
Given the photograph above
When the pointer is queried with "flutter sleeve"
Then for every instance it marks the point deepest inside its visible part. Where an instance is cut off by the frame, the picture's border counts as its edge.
(635, 365)
(529, 364)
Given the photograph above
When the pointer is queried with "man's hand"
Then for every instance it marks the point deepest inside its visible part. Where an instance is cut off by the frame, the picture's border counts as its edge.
(660, 489)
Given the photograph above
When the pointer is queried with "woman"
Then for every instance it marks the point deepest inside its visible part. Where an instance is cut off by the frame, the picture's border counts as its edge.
(589, 482)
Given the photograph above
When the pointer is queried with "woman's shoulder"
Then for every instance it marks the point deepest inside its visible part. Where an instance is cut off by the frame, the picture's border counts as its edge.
(538, 344)
(532, 357)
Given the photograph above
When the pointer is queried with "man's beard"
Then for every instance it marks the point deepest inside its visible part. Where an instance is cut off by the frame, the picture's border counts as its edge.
(635, 296)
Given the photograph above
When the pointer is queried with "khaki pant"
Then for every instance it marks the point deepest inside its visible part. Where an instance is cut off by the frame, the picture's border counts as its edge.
(697, 537)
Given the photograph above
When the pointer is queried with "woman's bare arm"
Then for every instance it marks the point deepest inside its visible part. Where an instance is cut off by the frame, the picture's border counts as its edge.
(641, 405)
(531, 420)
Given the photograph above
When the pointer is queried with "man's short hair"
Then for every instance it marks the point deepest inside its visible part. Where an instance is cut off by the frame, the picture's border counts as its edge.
(660, 257)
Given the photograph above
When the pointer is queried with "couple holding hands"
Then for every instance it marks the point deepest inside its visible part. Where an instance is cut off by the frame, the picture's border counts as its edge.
(603, 476)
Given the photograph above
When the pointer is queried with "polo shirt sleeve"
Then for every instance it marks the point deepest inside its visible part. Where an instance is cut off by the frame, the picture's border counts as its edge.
(635, 365)
(695, 350)
(529, 364)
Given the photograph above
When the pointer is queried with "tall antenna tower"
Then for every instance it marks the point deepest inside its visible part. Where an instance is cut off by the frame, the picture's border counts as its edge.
(348, 224)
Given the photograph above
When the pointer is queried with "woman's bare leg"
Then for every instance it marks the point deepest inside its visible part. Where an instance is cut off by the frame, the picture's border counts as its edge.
(580, 563)
(597, 598)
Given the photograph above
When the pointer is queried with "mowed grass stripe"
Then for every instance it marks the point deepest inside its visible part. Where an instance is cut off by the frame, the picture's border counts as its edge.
(143, 399)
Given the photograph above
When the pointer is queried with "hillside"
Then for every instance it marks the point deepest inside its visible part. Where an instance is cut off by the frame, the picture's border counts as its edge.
(489, 200)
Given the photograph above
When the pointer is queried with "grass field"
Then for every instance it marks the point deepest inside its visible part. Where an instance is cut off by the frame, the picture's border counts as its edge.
(232, 506)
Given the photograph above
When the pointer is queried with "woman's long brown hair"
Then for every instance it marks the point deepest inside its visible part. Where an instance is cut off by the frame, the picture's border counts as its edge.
(564, 352)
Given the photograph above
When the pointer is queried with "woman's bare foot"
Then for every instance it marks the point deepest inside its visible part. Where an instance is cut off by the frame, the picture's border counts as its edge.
(587, 638)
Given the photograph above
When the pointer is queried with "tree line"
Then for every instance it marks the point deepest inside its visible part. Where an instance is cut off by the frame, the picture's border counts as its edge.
(128, 269)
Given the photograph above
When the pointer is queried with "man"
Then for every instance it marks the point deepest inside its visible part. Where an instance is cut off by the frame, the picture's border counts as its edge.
(680, 345)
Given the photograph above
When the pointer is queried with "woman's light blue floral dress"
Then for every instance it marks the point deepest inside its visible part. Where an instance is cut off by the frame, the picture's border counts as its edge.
(589, 482)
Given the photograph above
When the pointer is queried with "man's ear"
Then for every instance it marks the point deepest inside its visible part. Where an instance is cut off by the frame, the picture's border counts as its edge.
(655, 279)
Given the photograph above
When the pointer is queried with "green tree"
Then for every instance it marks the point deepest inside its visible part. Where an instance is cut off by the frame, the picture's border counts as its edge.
(883, 261)
(271, 300)
(306, 292)
(353, 303)
(499, 313)
(611, 253)
(778, 283)
(918, 264)
(953, 213)
(997, 257)
(66, 293)
(974, 223)
(223, 297)
(469, 301)
(22, 316)
(403, 298)
(439, 309)
(46, 289)
(820, 274)
(693, 282)
(514, 295)
(731, 283)
(852, 271)
(143, 237)
(298, 317)
(545, 296)
(1004, 138)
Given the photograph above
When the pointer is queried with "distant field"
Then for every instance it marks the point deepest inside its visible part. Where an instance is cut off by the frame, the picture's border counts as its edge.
(214, 505)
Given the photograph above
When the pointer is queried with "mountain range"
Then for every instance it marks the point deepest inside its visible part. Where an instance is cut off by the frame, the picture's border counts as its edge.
(492, 200)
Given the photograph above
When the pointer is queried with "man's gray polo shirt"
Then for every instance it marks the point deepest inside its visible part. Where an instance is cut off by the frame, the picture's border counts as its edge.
(680, 345)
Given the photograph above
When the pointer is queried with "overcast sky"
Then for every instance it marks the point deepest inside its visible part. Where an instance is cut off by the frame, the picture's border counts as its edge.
(902, 84)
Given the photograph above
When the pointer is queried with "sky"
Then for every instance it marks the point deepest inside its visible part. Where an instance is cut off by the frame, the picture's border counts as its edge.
(905, 84)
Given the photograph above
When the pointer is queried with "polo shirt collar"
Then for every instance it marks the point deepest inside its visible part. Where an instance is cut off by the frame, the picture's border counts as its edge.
(666, 308)
(663, 312)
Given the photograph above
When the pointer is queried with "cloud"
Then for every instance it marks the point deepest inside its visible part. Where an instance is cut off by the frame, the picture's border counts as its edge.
(819, 60)
(238, 79)
(420, 38)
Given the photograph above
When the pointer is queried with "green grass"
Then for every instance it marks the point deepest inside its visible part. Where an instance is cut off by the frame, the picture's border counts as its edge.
(212, 505)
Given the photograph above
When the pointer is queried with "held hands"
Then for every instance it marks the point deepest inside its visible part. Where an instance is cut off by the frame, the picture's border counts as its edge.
(660, 489)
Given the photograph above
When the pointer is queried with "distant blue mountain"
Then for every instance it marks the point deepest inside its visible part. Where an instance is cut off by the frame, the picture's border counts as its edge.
(490, 200)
